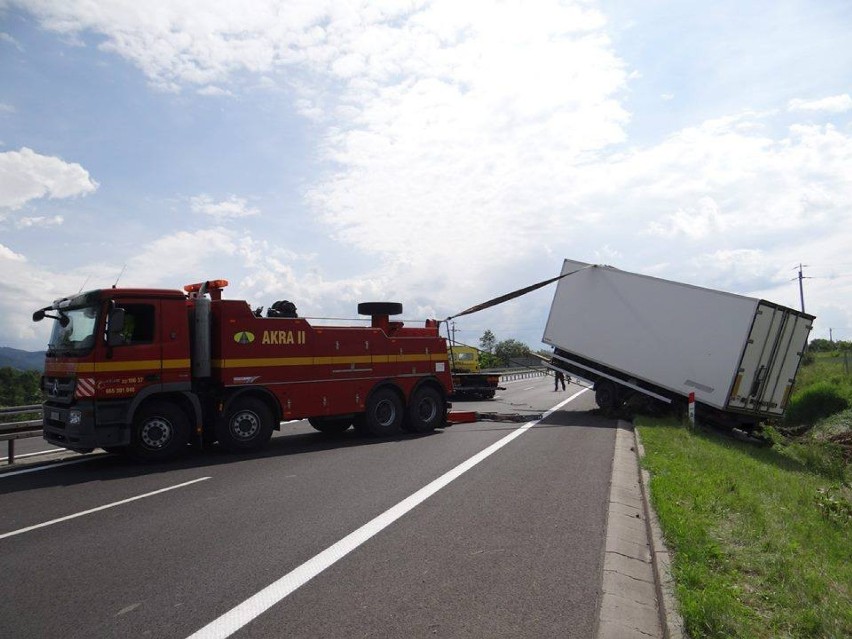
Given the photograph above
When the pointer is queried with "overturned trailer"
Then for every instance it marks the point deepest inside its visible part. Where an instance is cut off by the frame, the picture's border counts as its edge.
(644, 339)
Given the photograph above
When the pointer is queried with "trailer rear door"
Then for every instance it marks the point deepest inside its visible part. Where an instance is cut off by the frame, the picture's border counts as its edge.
(770, 360)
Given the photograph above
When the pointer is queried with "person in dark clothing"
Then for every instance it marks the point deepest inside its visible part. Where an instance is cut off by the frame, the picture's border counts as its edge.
(559, 377)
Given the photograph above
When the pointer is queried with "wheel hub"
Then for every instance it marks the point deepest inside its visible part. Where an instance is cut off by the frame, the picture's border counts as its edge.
(427, 410)
(245, 425)
(385, 413)
(156, 433)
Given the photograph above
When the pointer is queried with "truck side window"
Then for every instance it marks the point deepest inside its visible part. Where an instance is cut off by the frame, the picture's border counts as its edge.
(138, 323)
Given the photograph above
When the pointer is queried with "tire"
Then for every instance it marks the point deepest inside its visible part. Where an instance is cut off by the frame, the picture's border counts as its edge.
(384, 413)
(331, 425)
(425, 411)
(605, 396)
(247, 425)
(160, 431)
(379, 308)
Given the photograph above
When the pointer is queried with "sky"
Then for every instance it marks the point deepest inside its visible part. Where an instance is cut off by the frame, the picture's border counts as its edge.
(434, 153)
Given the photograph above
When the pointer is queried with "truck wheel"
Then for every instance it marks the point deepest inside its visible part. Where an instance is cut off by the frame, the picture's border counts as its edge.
(331, 425)
(383, 416)
(425, 411)
(246, 426)
(160, 432)
(605, 396)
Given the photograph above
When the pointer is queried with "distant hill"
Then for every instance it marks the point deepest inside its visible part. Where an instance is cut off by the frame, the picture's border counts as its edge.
(21, 360)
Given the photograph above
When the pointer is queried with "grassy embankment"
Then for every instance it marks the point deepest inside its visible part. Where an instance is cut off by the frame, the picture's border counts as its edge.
(761, 536)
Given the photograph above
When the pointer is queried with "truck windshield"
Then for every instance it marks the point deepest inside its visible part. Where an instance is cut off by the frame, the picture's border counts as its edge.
(78, 335)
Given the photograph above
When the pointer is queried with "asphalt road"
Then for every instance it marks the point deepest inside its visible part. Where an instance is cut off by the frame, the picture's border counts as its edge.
(323, 537)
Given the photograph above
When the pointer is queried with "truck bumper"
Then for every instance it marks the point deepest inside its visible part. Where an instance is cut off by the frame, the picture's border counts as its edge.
(78, 428)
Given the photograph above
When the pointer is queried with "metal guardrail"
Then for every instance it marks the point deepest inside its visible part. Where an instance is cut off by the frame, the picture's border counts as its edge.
(10, 431)
(508, 376)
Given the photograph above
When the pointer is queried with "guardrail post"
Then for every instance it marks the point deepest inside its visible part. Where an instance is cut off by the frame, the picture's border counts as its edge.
(10, 459)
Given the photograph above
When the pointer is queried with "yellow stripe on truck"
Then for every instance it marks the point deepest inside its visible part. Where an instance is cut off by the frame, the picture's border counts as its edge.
(134, 365)
(322, 361)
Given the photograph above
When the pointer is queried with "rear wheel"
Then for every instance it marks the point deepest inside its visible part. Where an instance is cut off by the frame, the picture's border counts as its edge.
(425, 411)
(160, 432)
(383, 416)
(247, 425)
(605, 396)
(331, 425)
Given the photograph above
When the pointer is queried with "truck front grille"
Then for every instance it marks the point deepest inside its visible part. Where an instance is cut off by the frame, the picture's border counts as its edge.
(58, 389)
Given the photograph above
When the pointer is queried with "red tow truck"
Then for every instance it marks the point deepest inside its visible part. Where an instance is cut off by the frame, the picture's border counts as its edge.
(148, 371)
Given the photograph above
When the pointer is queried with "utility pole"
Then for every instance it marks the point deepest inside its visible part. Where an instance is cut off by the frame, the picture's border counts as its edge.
(801, 288)
(831, 335)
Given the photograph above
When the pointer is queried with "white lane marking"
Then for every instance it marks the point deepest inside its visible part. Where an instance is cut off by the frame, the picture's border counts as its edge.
(41, 452)
(254, 606)
(49, 466)
(94, 510)
(528, 388)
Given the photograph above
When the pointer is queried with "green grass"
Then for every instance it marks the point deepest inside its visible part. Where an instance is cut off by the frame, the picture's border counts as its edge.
(760, 538)
(834, 368)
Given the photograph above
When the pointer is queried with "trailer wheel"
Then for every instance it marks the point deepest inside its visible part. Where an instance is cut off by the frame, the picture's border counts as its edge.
(247, 425)
(160, 432)
(331, 425)
(425, 411)
(383, 416)
(605, 396)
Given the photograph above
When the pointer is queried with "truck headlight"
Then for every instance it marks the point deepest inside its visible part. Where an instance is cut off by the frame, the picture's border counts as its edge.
(75, 417)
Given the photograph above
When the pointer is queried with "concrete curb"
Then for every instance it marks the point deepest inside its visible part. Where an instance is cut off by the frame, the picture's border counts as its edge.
(628, 606)
(637, 598)
(670, 619)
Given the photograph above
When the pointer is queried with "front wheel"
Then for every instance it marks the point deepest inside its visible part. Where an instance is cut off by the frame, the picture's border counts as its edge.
(160, 432)
(247, 425)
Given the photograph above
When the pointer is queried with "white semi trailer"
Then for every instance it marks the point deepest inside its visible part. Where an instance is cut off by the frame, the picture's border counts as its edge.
(637, 337)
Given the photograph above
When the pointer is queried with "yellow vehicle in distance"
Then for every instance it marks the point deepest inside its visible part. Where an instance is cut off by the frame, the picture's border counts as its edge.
(469, 382)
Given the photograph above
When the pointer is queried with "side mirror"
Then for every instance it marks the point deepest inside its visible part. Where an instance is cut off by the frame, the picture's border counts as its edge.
(115, 327)
(38, 315)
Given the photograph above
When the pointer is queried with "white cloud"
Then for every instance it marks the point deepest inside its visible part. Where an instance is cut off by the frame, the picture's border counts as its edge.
(8, 254)
(40, 221)
(233, 207)
(693, 222)
(5, 37)
(25, 175)
(178, 42)
(211, 90)
(468, 147)
(833, 104)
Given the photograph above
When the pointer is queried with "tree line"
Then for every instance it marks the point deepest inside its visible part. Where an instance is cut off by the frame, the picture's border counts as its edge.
(494, 353)
(19, 388)
(827, 346)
